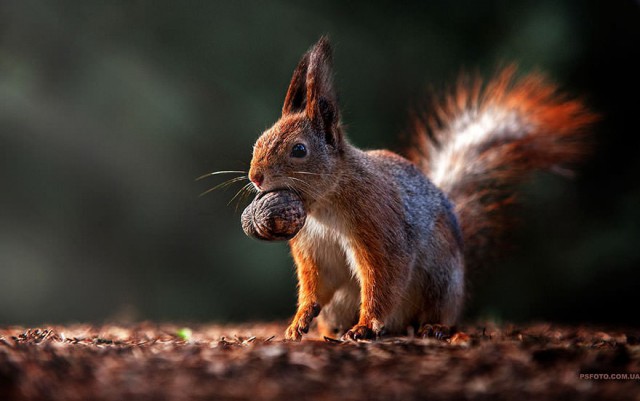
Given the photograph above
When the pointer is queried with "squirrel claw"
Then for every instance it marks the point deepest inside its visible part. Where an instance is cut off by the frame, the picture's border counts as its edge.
(358, 333)
(437, 331)
(302, 322)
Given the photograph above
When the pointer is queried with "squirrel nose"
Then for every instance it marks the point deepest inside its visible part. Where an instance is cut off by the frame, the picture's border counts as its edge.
(257, 178)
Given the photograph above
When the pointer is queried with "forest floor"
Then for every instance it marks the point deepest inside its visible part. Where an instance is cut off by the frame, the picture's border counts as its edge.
(241, 362)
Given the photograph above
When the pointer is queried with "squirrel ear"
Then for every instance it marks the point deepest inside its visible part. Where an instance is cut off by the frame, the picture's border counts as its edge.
(321, 103)
(296, 98)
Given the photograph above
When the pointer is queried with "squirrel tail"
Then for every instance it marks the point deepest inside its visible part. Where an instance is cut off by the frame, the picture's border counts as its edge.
(485, 139)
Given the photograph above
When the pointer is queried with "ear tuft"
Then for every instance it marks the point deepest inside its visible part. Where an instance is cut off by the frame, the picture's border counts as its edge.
(319, 78)
(311, 90)
(296, 98)
(322, 104)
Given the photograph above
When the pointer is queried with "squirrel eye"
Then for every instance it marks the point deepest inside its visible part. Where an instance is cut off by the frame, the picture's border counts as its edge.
(298, 150)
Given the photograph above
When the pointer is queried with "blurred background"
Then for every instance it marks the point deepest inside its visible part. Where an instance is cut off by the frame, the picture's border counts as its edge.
(110, 110)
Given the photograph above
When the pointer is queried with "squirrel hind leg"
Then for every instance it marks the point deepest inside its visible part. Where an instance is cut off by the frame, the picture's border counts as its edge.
(448, 260)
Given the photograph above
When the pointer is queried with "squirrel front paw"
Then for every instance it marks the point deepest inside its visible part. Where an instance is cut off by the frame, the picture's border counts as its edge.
(302, 321)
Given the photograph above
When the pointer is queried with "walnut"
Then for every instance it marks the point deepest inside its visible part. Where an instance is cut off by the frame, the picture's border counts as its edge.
(274, 216)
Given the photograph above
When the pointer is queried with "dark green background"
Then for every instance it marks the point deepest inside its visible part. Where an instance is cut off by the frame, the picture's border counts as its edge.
(109, 110)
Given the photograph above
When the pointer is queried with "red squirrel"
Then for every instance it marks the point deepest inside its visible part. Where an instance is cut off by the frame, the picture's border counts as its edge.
(386, 237)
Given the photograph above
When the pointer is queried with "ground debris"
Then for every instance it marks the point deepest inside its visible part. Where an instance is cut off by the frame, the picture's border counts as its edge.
(251, 361)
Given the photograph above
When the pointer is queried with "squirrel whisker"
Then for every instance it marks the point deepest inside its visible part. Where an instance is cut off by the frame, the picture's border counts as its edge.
(243, 189)
(224, 184)
(308, 172)
(294, 190)
(220, 172)
(309, 190)
(246, 191)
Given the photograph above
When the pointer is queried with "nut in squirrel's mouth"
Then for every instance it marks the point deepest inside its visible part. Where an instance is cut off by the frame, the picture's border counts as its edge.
(274, 216)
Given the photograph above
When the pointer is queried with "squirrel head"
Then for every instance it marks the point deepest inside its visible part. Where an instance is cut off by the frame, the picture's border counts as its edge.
(303, 149)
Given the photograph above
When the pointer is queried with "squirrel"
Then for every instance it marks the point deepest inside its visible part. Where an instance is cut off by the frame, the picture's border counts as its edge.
(388, 238)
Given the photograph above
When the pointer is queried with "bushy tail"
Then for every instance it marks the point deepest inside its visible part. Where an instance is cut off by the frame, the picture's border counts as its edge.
(485, 139)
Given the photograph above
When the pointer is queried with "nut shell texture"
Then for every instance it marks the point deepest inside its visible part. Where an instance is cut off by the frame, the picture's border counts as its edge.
(274, 216)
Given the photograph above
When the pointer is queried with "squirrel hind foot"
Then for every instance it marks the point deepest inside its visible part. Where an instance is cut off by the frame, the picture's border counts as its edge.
(436, 331)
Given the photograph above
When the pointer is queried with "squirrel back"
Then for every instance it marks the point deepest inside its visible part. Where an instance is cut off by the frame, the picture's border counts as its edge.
(484, 139)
